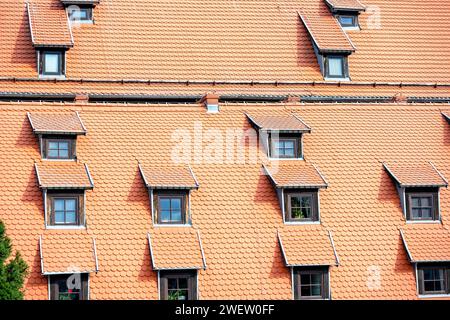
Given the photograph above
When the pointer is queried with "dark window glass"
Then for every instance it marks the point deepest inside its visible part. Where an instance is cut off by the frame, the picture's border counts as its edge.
(422, 205)
(302, 205)
(433, 279)
(170, 209)
(285, 146)
(176, 285)
(69, 287)
(52, 63)
(348, 21)
(311, 283)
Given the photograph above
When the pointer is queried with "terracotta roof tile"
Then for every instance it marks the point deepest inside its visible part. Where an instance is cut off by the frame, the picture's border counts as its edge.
(446, 115)
(56, 123)
(278, 122)
(168, 177)
(345, 5)
(416, 175)
(49, 26)
(176, 248)
(63, 175)
(67, 252)
(306, 246)
(426, 243)
(294, 174)
(326, 32)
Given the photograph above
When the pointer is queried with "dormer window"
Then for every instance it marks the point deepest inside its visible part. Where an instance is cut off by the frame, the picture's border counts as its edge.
(281, 134)
(336, 67)
(169, 189)
(81, 14)
(331, 44)
(418, 188)
(348, 21)
(346, 12)
(57, 134)
(52, 63)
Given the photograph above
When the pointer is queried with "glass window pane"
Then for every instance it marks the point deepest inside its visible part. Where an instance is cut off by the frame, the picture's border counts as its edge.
(71, 217)
(316, 278)
(53, 145)
(415, 202)
(346, 20)
(182, 283)
(316, 290)
(51, 63)
(335, 67)
(176, 216)
(172, 283)
(59, 216)
(164, 204)
(52, 153)
(165, 216)
(63, 145)
(176, 204)
(306, 202)
(71, 204)
(63, 153)
(425, 202)
(59, 204)
(426, 213)
(416, 213)
(428, 274)
(305, 279)
(305, 291)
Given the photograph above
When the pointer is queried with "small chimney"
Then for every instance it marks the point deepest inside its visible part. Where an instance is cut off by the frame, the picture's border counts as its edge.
(211, 102)
(81, 98)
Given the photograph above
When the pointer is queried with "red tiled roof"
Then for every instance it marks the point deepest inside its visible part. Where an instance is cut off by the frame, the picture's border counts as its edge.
(346, 5)
(307, 246)
(294, 174)
(176, 248)
(236, 208)
(326, 32)
(168, 177)
(63, 175)
(278, 122)
(416, 175)
(426, 243)
(67, 252)
(49, 26)
(254, 40)
(56, 123)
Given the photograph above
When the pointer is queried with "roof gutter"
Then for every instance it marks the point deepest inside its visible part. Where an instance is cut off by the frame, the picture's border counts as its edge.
(231, 82)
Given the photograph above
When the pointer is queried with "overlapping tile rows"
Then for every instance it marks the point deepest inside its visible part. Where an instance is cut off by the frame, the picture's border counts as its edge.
(251, 40)
(294, 174)
(49, 25)
(416, 175)
(236, 208)
(69, 123)
(426, 243)
(176, 248)
(67, 252)
(326, 33)
(316, 250)
(278, 122)
(63, 175)
(168, 177)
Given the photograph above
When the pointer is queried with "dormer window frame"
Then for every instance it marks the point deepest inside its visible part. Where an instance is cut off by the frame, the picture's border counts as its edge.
(355, 20)
(276, 137)
(53, 195)
(156, 195)
(344, 66)
(288, 194)
(46, 140)
(89, 9)
(41, 62)
(412, 193)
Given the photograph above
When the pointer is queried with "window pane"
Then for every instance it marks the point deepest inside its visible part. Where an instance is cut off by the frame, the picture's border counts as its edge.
(415, 202)
(346, 20)
(177, 295)
(71, 217)
(51, 63)
(295, 201)
(53, 145)
(172, 283)
(305, 291)
(306, 202)
(164, 204)
(425, 202)
(63, 153)
(183, 283)
(165, 216)
(59, 216)
(316, 290)
(176, 216)
(71, 204)
(176, 204)
(335, 67)
(59, 204)
(426, 213)
(305, 279)
(416, 213)
(316, 279)
(52, 153)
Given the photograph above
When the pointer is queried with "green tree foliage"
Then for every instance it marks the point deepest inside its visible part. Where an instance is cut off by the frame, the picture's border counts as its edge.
(12, 271)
